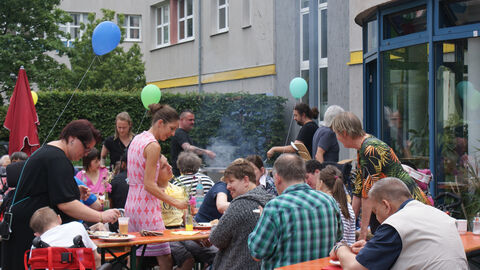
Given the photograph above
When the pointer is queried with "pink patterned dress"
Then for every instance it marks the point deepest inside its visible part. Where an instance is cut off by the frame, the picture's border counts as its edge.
(144, 209)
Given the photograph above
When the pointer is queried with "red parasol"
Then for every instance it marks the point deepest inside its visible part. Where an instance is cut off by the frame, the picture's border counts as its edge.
(22, 118)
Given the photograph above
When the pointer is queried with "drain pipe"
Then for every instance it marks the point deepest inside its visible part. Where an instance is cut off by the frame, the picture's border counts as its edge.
(200, 90)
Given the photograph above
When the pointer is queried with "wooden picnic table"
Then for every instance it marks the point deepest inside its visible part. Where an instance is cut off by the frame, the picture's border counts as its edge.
(138, 241)
(471, 244)
(314, 264)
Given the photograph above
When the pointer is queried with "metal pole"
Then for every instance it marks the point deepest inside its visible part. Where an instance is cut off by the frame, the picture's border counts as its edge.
(200, 90)
(313, 53)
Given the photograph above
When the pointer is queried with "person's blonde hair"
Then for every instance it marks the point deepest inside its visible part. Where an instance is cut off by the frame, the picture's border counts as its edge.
(349, 123)
(42, 219)
(123, 116)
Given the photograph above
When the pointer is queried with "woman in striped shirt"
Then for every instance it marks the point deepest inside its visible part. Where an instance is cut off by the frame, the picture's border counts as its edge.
(331, 182)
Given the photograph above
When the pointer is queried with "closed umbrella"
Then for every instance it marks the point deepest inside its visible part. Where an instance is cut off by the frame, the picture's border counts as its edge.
(22, 118)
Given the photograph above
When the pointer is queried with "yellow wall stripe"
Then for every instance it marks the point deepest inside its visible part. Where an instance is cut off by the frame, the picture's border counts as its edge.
(356, 57)
(218, 77)
(185, 81)
(239, 74)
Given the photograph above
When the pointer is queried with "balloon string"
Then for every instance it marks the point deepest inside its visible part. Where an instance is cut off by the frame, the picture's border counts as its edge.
(288, 134)
(68, 102)
(141, 122)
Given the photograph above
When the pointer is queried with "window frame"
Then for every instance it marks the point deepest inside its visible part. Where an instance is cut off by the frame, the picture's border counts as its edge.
(225, 6)
(68, 27)
(406, 40)
(162, 25)
(185, 20)
(126, 25)
(452, 32)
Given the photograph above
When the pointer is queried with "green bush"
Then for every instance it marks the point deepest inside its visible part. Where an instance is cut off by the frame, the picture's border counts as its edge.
(240, 123)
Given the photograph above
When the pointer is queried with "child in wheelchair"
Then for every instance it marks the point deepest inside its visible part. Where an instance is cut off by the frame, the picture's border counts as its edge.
(48, 226)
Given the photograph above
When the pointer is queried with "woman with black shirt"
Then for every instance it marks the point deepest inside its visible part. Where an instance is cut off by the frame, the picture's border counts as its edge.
(115, 145)
(47, 180)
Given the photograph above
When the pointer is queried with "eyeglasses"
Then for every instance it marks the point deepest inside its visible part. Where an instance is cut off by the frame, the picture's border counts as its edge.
(85, 148)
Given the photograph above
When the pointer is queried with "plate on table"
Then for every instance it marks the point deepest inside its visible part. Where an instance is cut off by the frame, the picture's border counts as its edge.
(203, 226)
(334, 262)
(98, 234)
(117, 237)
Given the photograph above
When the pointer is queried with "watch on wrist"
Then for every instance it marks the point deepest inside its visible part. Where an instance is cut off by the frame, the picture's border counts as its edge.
(338, 245)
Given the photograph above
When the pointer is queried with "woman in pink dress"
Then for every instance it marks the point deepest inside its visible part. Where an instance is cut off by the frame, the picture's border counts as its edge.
(93, 175)
(144, 198)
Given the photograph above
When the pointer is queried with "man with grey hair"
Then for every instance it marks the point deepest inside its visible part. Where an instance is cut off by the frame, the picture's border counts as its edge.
(324, 144)
(412, 235)
(301, 224)
(188, 163)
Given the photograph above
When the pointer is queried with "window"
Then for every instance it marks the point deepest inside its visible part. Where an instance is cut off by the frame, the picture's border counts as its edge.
(185, 20)
(304, 35)
(73, 28)
(405, 22)
(457, 106)
(456, 13)
(162, 25)
(132, 25)
(322, 49)
(222, 15)
(405, 103)
(371, 36)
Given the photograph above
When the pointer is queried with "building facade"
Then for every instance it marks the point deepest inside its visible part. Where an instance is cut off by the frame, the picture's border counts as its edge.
(421, 63)
(248, 46)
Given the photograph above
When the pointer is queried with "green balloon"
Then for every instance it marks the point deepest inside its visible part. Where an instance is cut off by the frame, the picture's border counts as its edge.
(151, 94)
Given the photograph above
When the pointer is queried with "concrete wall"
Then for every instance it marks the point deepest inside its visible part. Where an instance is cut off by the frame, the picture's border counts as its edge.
(240, 47)
(287, 54)
(257, 85)
(338, 53)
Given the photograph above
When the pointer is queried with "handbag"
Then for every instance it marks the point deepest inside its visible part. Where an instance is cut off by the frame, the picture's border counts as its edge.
(6, 224)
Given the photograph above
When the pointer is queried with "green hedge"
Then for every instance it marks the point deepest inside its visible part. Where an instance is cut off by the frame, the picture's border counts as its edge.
(243, 123)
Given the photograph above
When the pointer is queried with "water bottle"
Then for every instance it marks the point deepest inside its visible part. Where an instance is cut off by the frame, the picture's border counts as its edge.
(199, 195)
(476, 224)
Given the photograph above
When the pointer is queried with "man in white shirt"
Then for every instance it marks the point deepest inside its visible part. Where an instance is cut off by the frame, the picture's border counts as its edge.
(412, 235)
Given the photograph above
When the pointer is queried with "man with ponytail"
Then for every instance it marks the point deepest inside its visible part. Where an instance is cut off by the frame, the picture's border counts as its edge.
(304, 116)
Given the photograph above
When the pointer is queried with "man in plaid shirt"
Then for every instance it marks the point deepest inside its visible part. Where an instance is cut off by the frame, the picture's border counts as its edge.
(299, 225)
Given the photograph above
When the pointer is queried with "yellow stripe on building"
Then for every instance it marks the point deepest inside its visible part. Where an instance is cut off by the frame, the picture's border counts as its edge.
(218, 77)
(239, 74)
(185, 81)
(356, 58)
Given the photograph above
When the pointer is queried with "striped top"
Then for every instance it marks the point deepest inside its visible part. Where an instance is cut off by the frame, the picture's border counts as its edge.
(190, 182)
(300, 225)
(348, 226)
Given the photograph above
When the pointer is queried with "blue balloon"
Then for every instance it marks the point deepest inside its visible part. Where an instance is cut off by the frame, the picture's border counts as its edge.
(298, 87)
(105, 37)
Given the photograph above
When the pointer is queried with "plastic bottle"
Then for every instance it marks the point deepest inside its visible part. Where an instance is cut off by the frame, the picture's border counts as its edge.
(476, 224)
(106, 202)
(199, 194)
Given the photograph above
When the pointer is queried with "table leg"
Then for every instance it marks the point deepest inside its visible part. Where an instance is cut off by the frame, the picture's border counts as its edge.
(133, 257)
(102, 255)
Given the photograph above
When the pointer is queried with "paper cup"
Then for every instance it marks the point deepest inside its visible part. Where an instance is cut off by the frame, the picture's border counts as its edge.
(461, 226)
